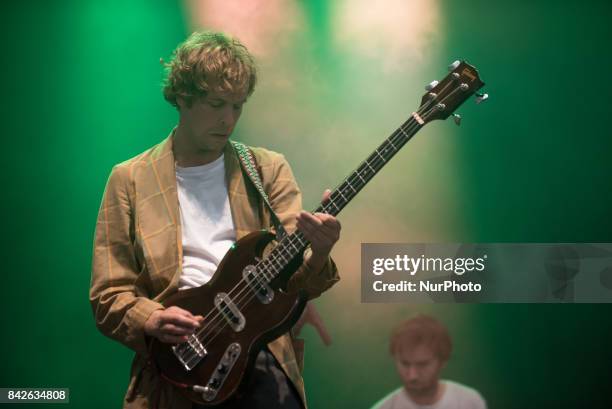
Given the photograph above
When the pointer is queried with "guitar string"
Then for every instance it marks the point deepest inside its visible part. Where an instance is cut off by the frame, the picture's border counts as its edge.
(395, 137)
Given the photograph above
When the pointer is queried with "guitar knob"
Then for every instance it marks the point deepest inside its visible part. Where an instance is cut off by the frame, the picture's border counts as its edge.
(454, 65)
(457, 119)
(431, 85)
(481, 97)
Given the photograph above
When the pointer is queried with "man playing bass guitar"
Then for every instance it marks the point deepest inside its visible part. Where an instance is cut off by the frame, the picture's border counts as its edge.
(170, 214)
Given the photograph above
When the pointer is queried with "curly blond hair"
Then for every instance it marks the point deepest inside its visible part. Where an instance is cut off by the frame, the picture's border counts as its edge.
(208, 61)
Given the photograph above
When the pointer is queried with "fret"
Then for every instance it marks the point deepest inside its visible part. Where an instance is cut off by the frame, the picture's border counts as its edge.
(287, 253)
(356, 182)
(390, 150)
(262, 271)
(351, 186)
(260, 280)
(362, 179)
(340, 192)
(299, 246)
(293, 245)
(332, 202)
(274, 266)
(349, 193)
(280, 255)
(391, 143)
(403, 132)
(278, 263)
(283, 252)
(379, 155)
(269, 268)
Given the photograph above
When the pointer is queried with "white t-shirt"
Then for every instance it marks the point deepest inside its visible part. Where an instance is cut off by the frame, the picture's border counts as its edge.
(206, 220)
(456, 396)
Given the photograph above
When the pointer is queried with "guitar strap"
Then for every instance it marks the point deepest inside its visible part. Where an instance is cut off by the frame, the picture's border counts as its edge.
(247, 160)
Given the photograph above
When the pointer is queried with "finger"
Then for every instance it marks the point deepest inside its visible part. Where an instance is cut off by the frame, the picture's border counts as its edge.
(330, 221)
(326, 195)
(305, 227)
(312, 227)
(317, 238)
(324, 218)
(171, 329)
(182, 312)
(330, 225)
(329, 229)
(308, 217)
(172, 339)
(180, 320)
(320, 238)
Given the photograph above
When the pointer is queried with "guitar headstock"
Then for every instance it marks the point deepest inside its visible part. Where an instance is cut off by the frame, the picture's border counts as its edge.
(444, 97)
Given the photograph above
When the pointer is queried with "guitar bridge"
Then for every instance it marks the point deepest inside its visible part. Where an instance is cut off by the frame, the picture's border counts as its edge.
(190, 353)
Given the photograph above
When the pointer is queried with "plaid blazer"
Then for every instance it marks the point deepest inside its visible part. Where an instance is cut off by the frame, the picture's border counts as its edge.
(137, 254)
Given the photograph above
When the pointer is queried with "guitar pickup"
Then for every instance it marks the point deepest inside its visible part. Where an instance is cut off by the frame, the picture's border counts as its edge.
(230, 312)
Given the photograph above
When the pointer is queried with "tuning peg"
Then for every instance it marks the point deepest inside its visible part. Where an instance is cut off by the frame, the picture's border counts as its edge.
(454, 65)
(457, 119)
(431, 85)
(481, 97)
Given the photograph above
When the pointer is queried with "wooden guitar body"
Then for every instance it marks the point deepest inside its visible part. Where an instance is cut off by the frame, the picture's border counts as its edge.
(230, 351)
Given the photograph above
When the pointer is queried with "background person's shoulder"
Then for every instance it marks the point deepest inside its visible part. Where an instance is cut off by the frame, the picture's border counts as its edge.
(466, 396)
(394, 400)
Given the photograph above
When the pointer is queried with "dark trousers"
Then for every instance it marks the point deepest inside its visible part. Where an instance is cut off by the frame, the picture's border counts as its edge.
(267, 388)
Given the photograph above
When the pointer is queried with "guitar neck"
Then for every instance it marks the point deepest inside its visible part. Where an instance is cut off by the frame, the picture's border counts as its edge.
(441, 100)
(360, 177)
(295, 243)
